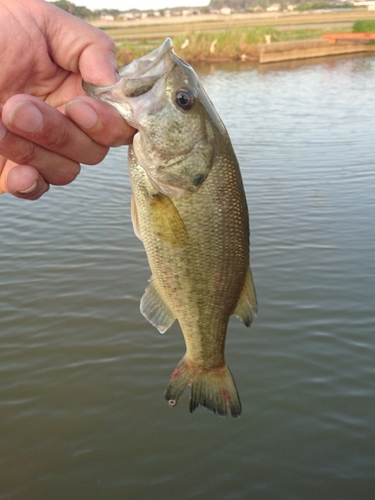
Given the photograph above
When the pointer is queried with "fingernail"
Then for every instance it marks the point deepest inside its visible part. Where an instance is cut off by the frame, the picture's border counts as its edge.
(30, 189)
(82, 114)
(26, 117)
(3, 130)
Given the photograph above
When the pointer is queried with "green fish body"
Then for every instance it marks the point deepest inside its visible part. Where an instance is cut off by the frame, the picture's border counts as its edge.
(189, 209)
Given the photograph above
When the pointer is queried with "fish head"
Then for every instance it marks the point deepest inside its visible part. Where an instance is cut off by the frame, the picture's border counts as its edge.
(178, 129)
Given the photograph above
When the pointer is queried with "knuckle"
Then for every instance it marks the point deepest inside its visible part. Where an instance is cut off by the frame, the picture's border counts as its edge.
(27, 153)
(113, 136)
(116, 138)
(59, 141)
(110, 43)
(68, 175)
(97, 155)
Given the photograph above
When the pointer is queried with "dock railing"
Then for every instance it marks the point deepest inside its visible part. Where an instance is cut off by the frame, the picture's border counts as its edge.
(353, 37)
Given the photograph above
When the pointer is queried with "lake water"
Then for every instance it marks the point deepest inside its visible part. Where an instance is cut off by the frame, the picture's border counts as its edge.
(82, 374)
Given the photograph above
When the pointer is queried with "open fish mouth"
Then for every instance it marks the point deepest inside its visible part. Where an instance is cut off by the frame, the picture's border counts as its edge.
(148, 64)
(139, 76)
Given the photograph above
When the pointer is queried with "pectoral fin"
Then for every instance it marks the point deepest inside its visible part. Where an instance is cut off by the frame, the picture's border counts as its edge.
(134, 216)
(247, 306)
(166, 221)
(155, 310)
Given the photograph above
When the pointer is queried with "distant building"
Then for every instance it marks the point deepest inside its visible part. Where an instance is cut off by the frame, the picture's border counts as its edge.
(369, 4)
(107, 17)
(275, 7)
(130, 16)
(225, 11)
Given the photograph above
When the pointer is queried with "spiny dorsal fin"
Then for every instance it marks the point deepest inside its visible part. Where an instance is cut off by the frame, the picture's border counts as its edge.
(155, 310)
(247, 306)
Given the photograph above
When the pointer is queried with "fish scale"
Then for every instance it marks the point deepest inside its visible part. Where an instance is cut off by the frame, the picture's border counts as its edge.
(189, 209)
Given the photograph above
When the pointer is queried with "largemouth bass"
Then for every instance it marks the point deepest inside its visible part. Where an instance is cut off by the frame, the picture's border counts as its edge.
(189, 209)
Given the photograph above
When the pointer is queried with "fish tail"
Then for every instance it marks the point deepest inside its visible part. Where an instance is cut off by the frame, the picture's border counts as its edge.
(212, 388)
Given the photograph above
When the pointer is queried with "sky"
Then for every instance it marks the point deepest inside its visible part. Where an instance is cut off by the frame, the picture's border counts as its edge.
(139, 4)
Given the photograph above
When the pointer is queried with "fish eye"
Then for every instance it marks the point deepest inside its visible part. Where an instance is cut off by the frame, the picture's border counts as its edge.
(185, 99)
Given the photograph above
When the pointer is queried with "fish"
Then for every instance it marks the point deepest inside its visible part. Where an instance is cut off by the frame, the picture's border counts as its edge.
(189, 209)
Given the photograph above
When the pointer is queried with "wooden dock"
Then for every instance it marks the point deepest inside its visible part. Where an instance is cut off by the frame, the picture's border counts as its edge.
(329, 45)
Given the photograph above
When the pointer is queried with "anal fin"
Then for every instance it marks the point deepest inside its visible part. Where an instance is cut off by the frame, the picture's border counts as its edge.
(247, 306)
(155, 310)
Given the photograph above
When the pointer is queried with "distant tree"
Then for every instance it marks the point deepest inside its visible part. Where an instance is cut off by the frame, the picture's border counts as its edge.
(237, 5)
(322, 5)
(79, 11)
(112, 12)
(264, 3)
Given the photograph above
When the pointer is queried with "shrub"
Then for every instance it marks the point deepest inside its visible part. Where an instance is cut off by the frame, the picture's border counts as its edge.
(364, 26)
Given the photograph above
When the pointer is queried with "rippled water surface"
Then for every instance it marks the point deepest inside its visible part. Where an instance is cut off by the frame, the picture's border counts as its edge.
(82, 374)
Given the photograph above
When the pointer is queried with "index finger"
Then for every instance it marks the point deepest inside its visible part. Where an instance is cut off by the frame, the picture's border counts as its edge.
(100, 121)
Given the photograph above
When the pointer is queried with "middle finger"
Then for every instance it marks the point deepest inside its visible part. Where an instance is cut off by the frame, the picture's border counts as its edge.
(45, 126)
(54, 168)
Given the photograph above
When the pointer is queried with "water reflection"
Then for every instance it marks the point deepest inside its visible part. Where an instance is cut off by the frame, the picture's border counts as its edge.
(359, 61)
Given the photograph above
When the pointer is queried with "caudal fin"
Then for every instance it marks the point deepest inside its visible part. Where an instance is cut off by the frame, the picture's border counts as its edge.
(212, 388)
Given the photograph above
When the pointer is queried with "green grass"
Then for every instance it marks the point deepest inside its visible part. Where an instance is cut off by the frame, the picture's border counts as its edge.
(364, 26)
(323, 5)
(128, 51)
(231, 44)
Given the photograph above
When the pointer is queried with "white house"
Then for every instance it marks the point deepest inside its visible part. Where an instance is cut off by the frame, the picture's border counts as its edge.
(274, 7)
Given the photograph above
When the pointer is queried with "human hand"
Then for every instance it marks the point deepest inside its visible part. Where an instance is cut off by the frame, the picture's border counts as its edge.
(47, 54)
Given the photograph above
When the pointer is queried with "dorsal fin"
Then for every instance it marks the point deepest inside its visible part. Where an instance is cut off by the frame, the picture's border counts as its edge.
(247, 306)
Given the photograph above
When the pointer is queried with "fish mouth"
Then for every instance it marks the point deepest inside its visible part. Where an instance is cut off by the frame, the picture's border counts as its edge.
(137, 77)
(148, 64)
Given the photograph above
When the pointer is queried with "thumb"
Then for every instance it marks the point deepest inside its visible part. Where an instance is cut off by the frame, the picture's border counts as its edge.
(79, 47)
(97, 62)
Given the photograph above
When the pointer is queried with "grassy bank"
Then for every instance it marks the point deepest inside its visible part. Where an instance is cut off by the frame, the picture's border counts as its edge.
(215, 38)
(226, 45)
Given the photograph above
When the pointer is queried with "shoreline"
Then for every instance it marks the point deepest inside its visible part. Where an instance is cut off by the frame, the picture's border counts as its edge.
(307, 49)
(240, 37)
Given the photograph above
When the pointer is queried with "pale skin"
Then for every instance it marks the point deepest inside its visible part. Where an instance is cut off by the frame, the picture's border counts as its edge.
(48, 126)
